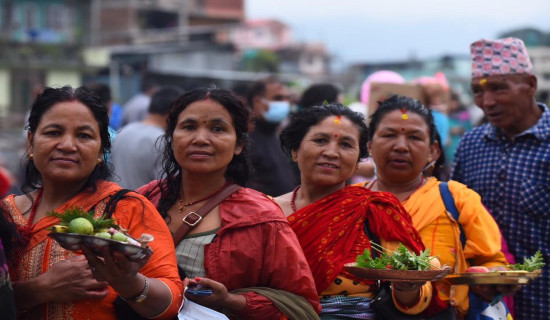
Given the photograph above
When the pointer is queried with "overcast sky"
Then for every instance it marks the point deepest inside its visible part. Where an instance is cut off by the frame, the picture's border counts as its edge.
(389, 30)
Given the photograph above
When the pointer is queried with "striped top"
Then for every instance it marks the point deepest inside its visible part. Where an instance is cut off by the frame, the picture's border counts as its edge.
(190, 252)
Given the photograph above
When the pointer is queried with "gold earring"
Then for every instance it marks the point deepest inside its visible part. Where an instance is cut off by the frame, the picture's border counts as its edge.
(99, 160)
(31, 156)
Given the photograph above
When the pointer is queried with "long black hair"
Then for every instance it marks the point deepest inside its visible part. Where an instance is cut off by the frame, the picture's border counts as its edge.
(44, 102)
(238, 170)
(8, 234)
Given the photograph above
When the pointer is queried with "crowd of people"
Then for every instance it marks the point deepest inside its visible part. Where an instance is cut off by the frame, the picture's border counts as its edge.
(264, 204)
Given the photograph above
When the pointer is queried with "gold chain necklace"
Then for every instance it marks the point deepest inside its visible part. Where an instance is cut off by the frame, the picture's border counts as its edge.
(184, 205)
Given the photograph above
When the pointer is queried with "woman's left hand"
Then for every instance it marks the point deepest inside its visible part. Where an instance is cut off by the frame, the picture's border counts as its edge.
(491, 293)
(115, 268)
(220, 297)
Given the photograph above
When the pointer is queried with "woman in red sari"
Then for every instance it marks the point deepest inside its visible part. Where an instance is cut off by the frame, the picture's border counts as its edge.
(330, 218)
(67, 138)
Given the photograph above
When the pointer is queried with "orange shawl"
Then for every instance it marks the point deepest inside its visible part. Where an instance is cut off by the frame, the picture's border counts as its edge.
(331, 233)
(441, 233)
(136, 214)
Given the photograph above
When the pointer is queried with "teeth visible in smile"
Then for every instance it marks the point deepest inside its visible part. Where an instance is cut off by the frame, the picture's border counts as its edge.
(328, 165)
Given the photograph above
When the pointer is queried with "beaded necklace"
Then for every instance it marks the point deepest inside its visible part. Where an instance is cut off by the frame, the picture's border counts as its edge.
(293, 199)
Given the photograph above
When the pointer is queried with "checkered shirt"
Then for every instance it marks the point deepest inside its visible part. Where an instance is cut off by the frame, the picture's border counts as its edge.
(513, 179)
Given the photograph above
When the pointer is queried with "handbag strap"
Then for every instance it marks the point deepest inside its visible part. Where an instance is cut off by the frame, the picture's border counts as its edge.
(450, 205)
(193, 218)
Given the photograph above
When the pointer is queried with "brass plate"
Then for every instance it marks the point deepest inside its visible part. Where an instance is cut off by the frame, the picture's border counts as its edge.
(494, 277)
(395, 275)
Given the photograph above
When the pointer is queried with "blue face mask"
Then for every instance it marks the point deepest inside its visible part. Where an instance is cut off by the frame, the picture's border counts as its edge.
(277, 111)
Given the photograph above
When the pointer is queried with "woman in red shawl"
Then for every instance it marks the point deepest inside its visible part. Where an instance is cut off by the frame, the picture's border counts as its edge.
(329, 217)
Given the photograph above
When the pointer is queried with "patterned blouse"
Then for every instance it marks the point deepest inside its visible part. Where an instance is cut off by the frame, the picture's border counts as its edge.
(190, 253)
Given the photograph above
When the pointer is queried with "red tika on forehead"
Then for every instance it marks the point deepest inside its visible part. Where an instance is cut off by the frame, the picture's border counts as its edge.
(338, 120)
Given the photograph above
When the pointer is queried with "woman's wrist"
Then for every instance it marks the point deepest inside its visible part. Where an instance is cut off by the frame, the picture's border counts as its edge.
(130, 289)
(407, 298)
(140, 297)
(235, 302)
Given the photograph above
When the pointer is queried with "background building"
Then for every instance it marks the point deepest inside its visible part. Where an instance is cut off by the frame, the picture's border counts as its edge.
(538, 46)
(40, 44)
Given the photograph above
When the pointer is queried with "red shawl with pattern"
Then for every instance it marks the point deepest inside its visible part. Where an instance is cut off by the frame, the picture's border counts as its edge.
(331, 232)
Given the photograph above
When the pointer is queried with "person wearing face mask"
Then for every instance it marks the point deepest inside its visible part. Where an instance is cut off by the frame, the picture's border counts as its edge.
(269, 101)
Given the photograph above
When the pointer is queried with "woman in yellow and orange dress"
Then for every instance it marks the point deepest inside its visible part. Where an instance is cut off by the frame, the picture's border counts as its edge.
(402, 140)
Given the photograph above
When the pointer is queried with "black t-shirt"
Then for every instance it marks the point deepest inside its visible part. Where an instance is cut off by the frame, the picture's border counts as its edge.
(273, 170)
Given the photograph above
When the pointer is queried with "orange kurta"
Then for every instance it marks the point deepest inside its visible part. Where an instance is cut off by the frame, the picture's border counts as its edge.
(135, 213)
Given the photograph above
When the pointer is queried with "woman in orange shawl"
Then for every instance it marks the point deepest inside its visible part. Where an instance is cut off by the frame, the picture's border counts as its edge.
(68, 136)
(402, 140)
(330, 218)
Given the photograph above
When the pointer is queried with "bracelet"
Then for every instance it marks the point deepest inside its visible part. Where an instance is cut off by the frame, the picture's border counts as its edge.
(140, 297)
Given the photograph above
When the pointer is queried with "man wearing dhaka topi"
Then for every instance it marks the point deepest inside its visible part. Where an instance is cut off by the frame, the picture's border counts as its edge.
(507, 160)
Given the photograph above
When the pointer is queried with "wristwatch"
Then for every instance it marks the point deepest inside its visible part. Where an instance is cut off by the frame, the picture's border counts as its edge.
(140, 297)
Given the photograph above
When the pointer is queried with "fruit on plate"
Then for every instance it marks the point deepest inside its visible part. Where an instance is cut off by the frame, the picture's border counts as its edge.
(530, 264)
(59, 228)
(435, 264)
(76, 220)
(119, 236)
(477, 269)
(81, 226)
(104, 235)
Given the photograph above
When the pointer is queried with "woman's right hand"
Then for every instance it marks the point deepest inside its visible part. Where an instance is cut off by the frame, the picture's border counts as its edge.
(220, 297)
(71, 280)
